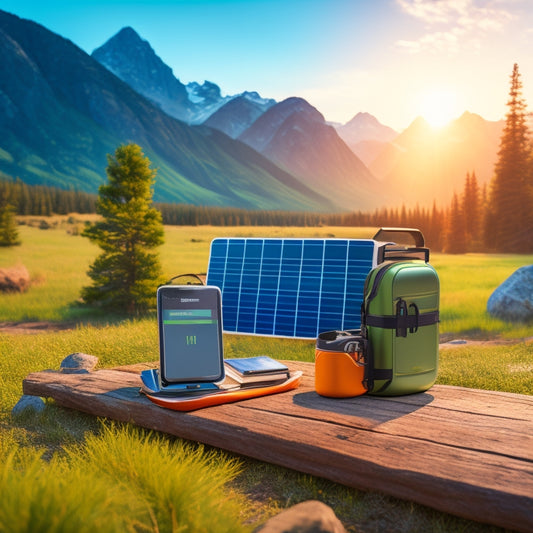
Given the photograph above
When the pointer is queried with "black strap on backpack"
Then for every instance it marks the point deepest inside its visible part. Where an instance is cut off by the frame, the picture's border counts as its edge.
(373, 374)
(403, 321)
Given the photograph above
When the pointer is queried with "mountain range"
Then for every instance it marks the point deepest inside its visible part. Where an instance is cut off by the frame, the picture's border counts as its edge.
(63, 111)
(295, 136)
(134, 61)
(434, 162)
(365, 136)
(292, 134)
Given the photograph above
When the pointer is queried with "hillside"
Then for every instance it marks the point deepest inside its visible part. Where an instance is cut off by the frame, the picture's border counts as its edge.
(295, 136)
(62, 112)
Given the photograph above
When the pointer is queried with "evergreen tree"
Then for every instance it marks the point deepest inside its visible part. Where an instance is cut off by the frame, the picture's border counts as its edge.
(9, 235)
(509, 222)
(471, 205)
(126, 275)
(455, 235)
(434, 234)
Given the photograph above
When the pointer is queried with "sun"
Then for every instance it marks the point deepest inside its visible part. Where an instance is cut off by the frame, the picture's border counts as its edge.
(438, 107)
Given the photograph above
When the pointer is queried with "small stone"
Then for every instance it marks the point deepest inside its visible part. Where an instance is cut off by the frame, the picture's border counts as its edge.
(307, 517)
(28, 403)
(513, 299)
(78, 363)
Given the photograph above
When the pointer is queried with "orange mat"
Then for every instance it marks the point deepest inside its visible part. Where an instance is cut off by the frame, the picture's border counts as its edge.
(210, 399)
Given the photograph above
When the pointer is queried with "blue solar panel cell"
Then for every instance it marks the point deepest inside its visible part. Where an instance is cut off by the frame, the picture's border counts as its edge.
(290, 287)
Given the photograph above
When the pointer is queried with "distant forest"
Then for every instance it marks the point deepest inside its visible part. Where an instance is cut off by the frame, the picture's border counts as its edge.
(458, 228)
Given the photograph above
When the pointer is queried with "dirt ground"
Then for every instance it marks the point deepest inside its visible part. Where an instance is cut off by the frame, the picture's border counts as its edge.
(34, 327)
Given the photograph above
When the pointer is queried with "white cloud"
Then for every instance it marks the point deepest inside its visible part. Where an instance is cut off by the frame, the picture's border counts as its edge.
(435, 11)
(437, 42)
(452, 25)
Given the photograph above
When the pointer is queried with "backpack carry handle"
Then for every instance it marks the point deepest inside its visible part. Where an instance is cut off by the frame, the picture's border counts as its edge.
(415, 234)
(400, 253)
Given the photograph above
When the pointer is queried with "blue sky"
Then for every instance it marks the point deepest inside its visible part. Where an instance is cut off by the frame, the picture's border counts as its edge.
(396, 59)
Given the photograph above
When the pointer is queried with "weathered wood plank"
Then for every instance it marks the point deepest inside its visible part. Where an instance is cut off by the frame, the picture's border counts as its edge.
(462, 451)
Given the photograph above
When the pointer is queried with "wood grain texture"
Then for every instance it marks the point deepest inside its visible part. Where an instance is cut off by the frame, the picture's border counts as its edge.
(466, 452)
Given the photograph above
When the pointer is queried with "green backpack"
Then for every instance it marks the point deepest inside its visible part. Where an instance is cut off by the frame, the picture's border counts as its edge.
(400, 315)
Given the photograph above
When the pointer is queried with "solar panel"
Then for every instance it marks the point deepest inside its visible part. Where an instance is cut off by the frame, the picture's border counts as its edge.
(290, 287)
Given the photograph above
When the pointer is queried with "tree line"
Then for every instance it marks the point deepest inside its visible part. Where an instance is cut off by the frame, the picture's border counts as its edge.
(43, 200)
(458, 228)
(445, 229)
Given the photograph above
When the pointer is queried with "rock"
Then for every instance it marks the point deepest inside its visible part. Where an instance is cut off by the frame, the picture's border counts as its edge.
(513, 299)
(78, 363)
(14, 279)
(307, 517)
(28, 403)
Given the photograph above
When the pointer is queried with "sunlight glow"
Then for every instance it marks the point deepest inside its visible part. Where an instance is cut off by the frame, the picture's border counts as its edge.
(438, 107)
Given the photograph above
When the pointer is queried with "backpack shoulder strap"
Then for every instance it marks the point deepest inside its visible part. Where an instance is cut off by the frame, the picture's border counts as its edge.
(372, 374)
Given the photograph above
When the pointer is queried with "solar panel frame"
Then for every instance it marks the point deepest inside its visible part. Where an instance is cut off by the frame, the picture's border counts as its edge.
(290, 287)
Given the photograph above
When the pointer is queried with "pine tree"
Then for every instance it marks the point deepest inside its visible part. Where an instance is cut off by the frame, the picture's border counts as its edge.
(455, 235)
(471, 205)
(126, 275)
(9, 235)
(508, 223)
(434, 234)
(25, 202)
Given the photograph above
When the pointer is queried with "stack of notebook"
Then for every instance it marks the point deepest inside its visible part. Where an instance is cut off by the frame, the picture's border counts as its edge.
(255, 371)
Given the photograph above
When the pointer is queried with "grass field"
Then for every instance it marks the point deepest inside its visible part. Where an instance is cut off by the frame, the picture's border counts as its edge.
(236, 493)
(58, 261)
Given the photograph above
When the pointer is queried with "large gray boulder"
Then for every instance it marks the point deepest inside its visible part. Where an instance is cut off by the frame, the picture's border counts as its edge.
(513, 299)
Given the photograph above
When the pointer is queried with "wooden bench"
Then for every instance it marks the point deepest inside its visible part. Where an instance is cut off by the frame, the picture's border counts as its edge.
(462, 451)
